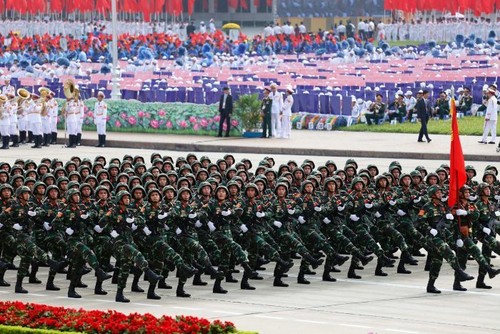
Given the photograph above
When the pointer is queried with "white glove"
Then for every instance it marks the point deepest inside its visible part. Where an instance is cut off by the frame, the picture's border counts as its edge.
(434, 232)
(114, 234)
(326, 220)
(377, 214)
(192, 215)
(198, 224)
(497, 197)
(1, 225)
(368, 205)
(166, 227)
(444, 199)
(243, 228)
(401, 213)
(31, 213)
(226, 213)
(163, 215)
(178, 231)
(146, 230)
(211, 226)
(69, 231)
(98, 229)
(130, 220)
(472, 198)
(460, 243)
(301, 220)
(341, 208)
(417, 200)
(134, 227)
(47, 226)
(277, 224)
(486, 230)
(392, 202)
(317, 208)
(354, 218)
(291, 211)
(497, 213)
(17, 227)
(461, 212)
(260, 214)
(449, 216)
(84, 216)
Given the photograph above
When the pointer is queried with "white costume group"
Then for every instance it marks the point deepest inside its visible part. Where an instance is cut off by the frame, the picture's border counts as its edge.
(281, 111)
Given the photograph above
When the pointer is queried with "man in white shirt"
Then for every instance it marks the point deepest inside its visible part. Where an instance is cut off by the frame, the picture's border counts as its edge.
(211, 26)
(100, 118)
(410, 102)
(277, 105)
(490, 118)
(286, 113)
(362, 30)
(302, 28)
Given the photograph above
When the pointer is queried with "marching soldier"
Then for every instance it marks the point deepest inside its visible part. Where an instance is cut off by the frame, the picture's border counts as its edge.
(100, 114)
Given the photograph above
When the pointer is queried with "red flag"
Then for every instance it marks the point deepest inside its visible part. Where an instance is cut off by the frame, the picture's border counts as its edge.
(256, 3)
(177, 7)
(458, 177)
(56, 6)
(233, 4)
(190, 7)
(103, 6)
(244, 4)
(269, 3)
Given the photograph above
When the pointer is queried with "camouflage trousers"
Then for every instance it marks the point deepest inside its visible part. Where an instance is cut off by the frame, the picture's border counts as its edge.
(256, 244)
(208, 243)
(128, 255)
(229, 249)
(28, 251)
(440, 250)
(159, 251)
(470, 248)
(363, 239)
(341, 242)
(103, 248)
(9, 248)
(387, 234)
(79, 254)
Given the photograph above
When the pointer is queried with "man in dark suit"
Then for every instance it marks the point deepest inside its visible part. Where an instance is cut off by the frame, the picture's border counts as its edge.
(266, 107)
(422, 108)
(225, 110)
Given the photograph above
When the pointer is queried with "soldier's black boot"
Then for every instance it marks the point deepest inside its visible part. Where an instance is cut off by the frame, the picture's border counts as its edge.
(457, 286)
(462, 275)
(34, 270)
(120, 297)
(5, 143)
(102, 275)
(38, 141)
(341, 259)
(135, 282)
(385, 261)
(365, 259)
(162, 284)
(2, 275)
(315, 263)
(244, 285)
(151, 291)
(285, 265)
(30, 137)
(72, 141)
(152, 276)
(19, 286)
(230, 278)
(301, 278)
(480, 282)
(103, 144)
(492, 272)
(407, 258)
(180, 290)
(214, 273)
(22, 137)
(326, 276)
(72, 292)
(98, 290)
(45, 140)
(352, 271)
(401, 267)
(186, 271)
(15, 141)
(198, 281)
(378, 269)
(278, 275)
(78, 139)
(50, 283)
(248, 270)
(431, 288)
(217, 286)
(53, 136)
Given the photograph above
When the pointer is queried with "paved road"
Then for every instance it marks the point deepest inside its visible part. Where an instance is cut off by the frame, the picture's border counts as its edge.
(394, 304)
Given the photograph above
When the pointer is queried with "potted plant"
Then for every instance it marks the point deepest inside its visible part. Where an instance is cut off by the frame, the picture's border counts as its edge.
(247, 109)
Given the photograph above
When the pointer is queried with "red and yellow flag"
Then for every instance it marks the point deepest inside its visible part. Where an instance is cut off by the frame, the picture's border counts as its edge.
(458, 177)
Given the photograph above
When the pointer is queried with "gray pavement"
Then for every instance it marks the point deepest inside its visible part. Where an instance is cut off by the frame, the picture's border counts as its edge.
(393, 304)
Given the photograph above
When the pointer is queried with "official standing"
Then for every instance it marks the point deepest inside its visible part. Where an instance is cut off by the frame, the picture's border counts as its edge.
(4, 122)
(225, 110)
(286, 113)
(72, 116)
(277, 104)
(100, 117)
(490, 118)
(266, 106)
(423, 114)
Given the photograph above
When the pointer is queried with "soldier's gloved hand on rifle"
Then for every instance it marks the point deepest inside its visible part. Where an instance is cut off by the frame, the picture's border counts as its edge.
(243, 228)
(449, 216)
(460, 243)
(301, 219)
(444, 199)
(461, 212)
(278, 224)
(31, 212)
(378, 214)
(354, 218)
(162, 215)
(317, 208)
(401, 213)
(98, 229)
(434, 232)
(368, 205)
(326, 220)
(392, 202)
(130, 219)
(198, 224)
(47, 226)
(486, 230)
(417, 200)
(211, 226)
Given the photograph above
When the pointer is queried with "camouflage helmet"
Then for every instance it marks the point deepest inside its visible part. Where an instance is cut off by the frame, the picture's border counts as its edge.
(351, 162)
(51, 187)
(481, 187)
(6, 186)
(138, 187)
(251, 185)
(491, 168)
(489, 172)
(70, 193)
(416, 173)
(233, 183)
(403, 175)
(167, 188)
(427, 178)
(221, 186)
(470, 167)
(357, 180)
(121, 194)
(432, 190)
(202, 185)
(153, 190)
(21, 190)
(380, 177)
(183, 190)
(304, 183)
(99, 188)
(281, 184)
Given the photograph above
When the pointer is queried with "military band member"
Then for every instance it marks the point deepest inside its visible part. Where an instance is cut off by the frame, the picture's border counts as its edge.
(11, 106)
(53, 110)
(35, 121)
(4, 122)
(73, 111)
(100, 114)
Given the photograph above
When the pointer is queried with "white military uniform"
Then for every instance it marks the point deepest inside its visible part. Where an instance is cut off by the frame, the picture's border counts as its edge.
(286, 110)
(5, 120)
(490, 119)
(22, 118)
(35, 118)
(12, 106)
(73, 112)
(8, 90)
(100, 116)
(277, 105)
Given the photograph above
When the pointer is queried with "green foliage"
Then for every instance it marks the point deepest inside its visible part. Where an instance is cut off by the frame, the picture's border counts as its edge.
(470, 126)
(24, 330)
(247, 109)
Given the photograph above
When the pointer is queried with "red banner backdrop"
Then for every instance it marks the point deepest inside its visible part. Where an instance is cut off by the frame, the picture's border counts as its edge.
(477, 6)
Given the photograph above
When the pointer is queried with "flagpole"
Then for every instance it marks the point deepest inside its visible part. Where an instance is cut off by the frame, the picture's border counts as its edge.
(115, 93)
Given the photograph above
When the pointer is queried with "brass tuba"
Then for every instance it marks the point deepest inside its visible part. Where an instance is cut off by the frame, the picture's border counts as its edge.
(22, 95)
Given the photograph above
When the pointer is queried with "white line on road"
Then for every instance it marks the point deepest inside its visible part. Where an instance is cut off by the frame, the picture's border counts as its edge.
(311, 321)
(227, 312)
(149, 305)
(355, 326)
(268, 317)
(399, 331)
(38, 295)
(186, 308)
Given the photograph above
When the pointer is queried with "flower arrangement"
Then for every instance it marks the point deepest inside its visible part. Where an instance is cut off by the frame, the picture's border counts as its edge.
(67, 319)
